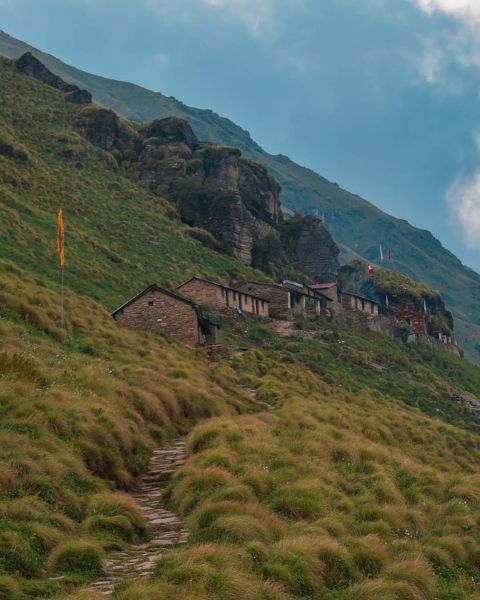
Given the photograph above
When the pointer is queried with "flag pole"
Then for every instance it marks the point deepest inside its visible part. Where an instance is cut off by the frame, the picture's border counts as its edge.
(61, 256)
(62, 309)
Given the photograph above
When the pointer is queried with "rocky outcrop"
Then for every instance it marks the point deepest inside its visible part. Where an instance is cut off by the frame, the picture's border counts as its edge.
(317, 252)
(216, 189)
(29, 65)
(402, 294)
(105, 129)
(309, 245)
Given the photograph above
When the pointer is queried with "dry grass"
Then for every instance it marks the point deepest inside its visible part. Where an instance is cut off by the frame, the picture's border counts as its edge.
(330, 497)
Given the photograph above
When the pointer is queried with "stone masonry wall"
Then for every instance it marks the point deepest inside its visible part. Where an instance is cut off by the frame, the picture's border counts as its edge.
(278, 296)
(156, 311)
(203, 292)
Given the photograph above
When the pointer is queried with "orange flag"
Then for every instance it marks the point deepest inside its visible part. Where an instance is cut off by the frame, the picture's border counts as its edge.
(60, 230)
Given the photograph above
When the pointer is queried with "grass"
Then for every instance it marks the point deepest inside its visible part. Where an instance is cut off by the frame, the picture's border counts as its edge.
(362, 483)
(341, 493)
(119, 237)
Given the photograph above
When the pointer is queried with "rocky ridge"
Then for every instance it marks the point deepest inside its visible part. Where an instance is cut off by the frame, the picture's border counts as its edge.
(29, 65)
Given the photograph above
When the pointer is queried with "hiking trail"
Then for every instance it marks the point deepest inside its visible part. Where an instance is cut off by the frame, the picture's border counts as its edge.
(165, 527)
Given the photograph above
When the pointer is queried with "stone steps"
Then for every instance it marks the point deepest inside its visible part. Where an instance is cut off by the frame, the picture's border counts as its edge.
(166, 528)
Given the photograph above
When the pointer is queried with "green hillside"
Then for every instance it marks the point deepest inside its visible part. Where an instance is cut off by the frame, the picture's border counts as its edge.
(354, 222)
(385, 508)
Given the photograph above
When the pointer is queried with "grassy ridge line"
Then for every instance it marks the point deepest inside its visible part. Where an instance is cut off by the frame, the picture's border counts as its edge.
(339, 495)
(119, 237)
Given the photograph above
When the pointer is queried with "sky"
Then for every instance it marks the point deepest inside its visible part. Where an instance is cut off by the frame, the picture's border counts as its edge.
(380, 96)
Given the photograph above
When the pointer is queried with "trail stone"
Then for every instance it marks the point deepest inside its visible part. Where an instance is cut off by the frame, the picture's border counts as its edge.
(166, 528)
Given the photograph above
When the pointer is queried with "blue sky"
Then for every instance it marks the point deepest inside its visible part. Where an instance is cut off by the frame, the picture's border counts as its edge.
(381, 96)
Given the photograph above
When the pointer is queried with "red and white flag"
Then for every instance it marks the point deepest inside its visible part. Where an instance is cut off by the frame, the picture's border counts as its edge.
(371, 270)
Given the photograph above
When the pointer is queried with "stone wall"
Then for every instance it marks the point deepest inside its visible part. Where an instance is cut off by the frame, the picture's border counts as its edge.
(359, 304)
(217, 296)
(158, 311)
(285, 302)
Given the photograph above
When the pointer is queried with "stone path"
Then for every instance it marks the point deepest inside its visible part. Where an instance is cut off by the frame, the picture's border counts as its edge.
(166, 529)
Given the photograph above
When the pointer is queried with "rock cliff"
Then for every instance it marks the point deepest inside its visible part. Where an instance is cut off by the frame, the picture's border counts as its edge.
(215, 188)
(310, 247)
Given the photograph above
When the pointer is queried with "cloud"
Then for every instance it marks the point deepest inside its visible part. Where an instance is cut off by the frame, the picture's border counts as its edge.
(467, 11)
(257, 16)
(464, 200)
(254, 14)
(449, 49)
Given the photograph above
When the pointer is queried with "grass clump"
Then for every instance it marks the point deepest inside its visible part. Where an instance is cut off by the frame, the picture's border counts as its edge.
(115, 515)
(78, 557)
(9, 588)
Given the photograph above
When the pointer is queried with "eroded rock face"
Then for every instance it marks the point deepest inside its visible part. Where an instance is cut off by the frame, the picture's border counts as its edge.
(309, 244)
(171, 130)
(215, 188)
(317, 252)
(31, 66)
(235, 199)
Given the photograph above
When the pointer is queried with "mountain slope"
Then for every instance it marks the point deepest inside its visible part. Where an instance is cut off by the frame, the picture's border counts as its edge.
(387, 504)
(354, 222)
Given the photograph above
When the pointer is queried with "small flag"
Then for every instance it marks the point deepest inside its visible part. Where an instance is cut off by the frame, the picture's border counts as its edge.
(371, 270)
(60, 233)
(390, 255)
(381, 253)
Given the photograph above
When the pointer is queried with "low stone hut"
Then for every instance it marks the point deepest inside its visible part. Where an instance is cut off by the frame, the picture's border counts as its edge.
(405, 314)
(288, 300)
(330, 290)
(216, 295)
(358, 303)
(157, 309)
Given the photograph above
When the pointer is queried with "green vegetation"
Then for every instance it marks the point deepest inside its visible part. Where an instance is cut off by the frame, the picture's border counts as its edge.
(416, 252)
(119, 237)
(346, 491)
(361, 483)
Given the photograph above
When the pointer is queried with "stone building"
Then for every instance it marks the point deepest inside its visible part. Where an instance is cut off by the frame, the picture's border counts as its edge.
(412, 318)
(288, 300)
(358, 303)
(330, 290)
(347, 301)
(218, 296)
(156, 309)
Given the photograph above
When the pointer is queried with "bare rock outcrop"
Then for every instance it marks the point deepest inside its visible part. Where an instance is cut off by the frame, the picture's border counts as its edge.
(30, 65)
(216, 189)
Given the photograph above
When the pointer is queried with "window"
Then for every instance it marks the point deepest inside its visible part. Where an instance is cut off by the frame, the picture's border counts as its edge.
(151, 302)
